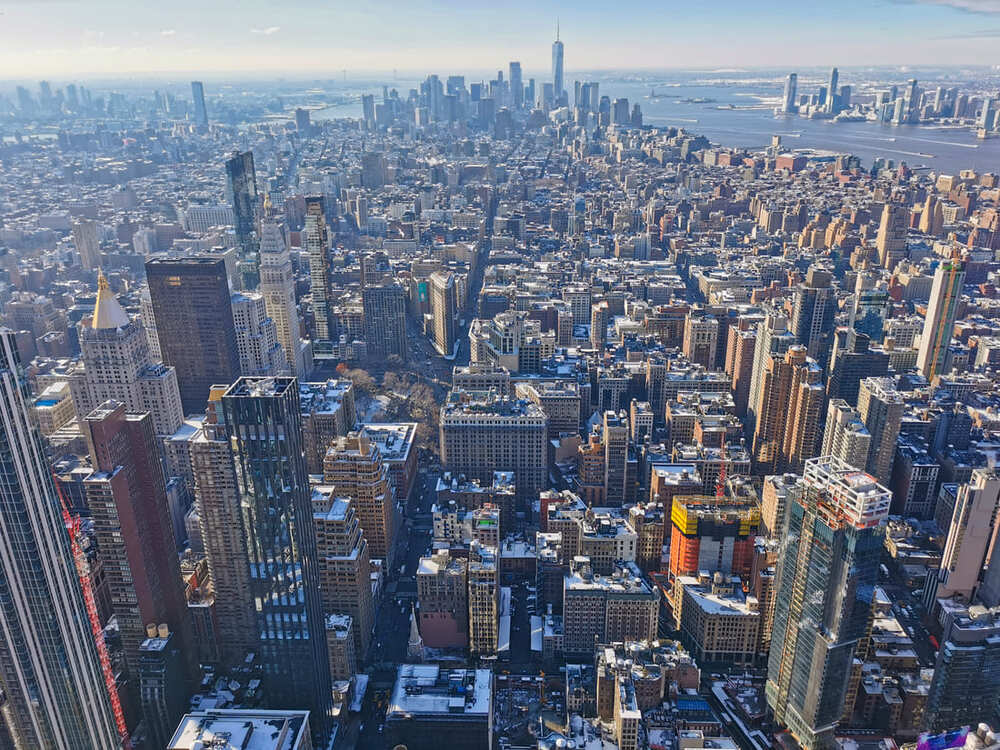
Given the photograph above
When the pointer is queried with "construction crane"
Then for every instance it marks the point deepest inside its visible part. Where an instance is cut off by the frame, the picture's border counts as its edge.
(720, 483)
(73, 526)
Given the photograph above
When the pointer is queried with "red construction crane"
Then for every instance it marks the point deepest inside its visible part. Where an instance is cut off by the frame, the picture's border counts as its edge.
(83, 572)
(720, 483)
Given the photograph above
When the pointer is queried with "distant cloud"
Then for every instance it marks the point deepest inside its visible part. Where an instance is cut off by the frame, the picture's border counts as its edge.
(972, 6)
(974, 34)
(266, 32)
(168, 32)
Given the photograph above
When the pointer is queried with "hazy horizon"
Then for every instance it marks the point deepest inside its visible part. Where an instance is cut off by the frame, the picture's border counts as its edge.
(110, 38)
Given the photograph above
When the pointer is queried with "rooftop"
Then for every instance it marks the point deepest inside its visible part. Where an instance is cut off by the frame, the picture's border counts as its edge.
(427, 689)
(241, 729)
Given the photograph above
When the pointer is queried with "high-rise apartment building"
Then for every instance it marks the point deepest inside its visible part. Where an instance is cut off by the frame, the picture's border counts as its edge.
(220, 518)
(788, 412)
(277, 284)
(881, 407)
(127, 498)
(262, 421)
(344, 565)
(813, 314)
(946, 293)
(966, 682)
(354, 468)
(825, 583)
(773, 338)
(200, 111)
(853, 360)
(55, 692)
(118, 365)
(385, 320)
(970, 544)
(845, 436)
(194, 322)
(615, 439)
(316, 242)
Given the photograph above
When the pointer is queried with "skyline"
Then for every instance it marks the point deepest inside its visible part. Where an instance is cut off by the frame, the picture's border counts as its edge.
(100, 38)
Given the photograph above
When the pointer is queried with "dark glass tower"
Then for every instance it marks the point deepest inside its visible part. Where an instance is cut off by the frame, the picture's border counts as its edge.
(262, 420)
(194, 323)
(200, 111)
(824, 586)
(242, 181)
(51, 677)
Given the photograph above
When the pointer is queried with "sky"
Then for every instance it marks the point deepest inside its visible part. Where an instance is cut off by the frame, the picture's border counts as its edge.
(63, 39)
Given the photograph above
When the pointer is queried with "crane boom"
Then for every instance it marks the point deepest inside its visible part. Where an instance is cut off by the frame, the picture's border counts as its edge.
(82, 571)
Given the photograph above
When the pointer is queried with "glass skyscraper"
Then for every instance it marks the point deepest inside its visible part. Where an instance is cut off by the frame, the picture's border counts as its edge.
(242, 183)
(557, 70)
(263, 424)
(200, 111)
(824, 586)
(49, 670)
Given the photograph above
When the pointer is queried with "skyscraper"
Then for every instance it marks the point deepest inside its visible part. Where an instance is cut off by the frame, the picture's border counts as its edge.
(257, 336)
(242, 183)
(966, 682)
(385, 320)
(127, 498)
(972, 536)
(220, 518)
(262, 421)
(824, 586)
(814, 313)
(845, 436)
(788, 412)
(946, 292)
(891, 238)
(444, 309)
(315, 241)
(558, 90)
(773, 338)
(344, 565)
(117, 364)
(200, 112)
(832, 92)
(516, 86)
(55, 692)
(194, 322)
(277, 284)
(881, 407)
(354, 468)
(87, 242)
(789, 103)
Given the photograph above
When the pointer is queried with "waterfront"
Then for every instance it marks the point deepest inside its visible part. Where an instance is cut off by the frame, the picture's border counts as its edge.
(737, 110)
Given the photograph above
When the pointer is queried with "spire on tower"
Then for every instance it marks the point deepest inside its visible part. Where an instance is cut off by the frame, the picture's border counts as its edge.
(415, 644)
(557, 28)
